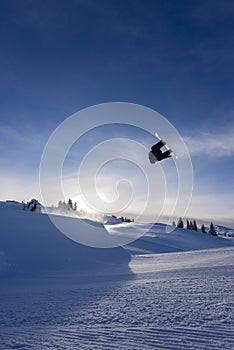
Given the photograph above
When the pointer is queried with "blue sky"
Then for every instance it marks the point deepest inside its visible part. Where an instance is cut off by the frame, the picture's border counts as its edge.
(176, 57)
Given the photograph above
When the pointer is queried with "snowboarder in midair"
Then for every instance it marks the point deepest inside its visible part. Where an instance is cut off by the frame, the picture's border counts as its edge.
(156, 154)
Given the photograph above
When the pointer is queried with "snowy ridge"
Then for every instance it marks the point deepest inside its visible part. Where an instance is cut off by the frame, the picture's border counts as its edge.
(31, 244)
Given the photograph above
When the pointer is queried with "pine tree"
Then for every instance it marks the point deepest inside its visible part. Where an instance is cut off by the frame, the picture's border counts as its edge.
(212, 230)
(75, 206)
(203, 228)
(188, 225)
(60, 204)
(180, 223)
(194, 225)
(173, 223)
(70, 204)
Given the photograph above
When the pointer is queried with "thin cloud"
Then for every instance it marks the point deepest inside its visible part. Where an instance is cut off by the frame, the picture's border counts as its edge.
(6, 130)
(212, 144)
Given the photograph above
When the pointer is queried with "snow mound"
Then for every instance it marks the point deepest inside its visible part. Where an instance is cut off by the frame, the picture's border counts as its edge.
(111, 220)
(31, 244)
(224, 231)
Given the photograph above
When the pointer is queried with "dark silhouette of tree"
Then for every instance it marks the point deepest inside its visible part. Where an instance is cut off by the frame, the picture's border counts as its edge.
(191, 225)
(203, 228)
(188, 225)
(173, 223)
(194, 225)
(70, 204)
(212, 230)
(180, 223)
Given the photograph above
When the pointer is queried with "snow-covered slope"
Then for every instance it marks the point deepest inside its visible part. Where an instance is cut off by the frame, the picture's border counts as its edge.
(179, 298)
(157, 240)
(30, 243)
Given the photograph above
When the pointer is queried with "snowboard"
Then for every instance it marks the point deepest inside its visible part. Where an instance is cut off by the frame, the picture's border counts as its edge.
(166, 146)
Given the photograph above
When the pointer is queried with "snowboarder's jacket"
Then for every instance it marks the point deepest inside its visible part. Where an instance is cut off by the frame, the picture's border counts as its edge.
(157, 153)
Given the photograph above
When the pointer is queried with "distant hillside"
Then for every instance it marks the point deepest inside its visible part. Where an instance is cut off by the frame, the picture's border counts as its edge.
(157, 240)
(224, 231)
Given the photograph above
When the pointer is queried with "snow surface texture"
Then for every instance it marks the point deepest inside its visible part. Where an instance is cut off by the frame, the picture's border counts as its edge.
(157, 293)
